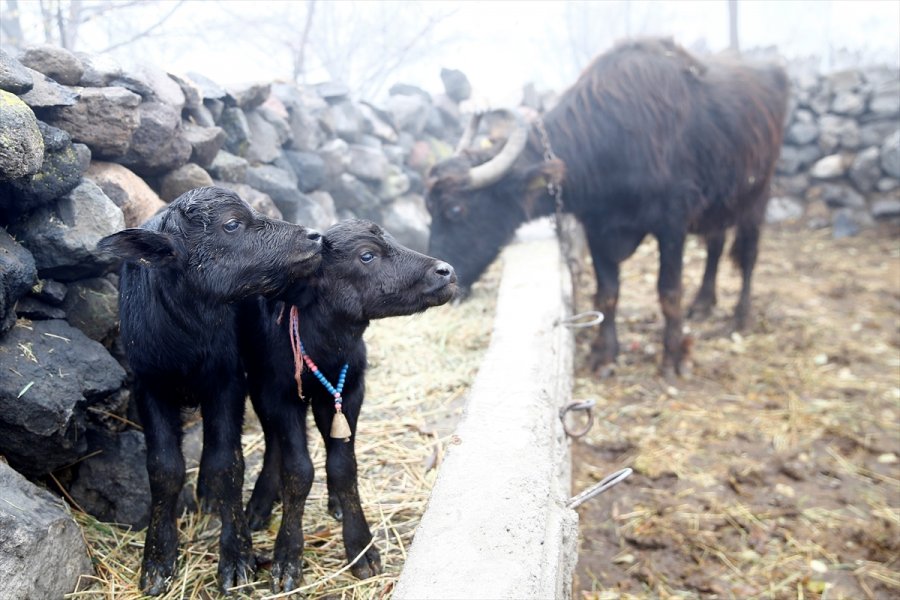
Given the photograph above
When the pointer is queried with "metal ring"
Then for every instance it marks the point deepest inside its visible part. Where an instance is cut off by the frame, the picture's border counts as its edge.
(571, 322)
(598, 488)
(578, 405)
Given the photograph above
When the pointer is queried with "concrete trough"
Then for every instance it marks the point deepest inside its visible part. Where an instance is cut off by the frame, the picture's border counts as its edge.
(496, 525)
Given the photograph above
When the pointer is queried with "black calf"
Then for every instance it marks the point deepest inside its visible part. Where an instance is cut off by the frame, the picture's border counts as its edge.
(365, 274)
(184, 271)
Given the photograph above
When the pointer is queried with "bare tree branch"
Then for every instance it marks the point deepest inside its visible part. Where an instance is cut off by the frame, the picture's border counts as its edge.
(300, 55)
(146, 32)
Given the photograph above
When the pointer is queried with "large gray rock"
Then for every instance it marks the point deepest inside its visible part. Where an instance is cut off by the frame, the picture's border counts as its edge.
(345, 121)
(54, 62)
(250, 95)
(92, 306)
(839, 195)
(890, 155)
(378, 123)
(99, 69)
(42, 549)
(886, 208)
(47, 93)
(17, 275)
(53, 372)
(157, 145)
(152, 84)
(21, 143)
(137, 201)
(63, 238)
(209, 89)
(874, 132)
(279, 185)
(264, 141)
(205, 143)
(104, 119)
(332, 91)
(14, 76)
(367, 163)
(849, 103)
(830, 167)
(60, 172)
(803, 130)
(838, 132)
(237, 131)
(409, 112)
(336, 156)
(228, 167)
(865, 170)
(184, 178)
(407, 219)
(309, 169)
(781, 209)
(456, 84)
(354, 197)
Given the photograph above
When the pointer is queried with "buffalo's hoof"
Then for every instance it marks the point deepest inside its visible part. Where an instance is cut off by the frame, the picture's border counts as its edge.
(156, 577)
(368, 565)
(286, 575)
(700, 310)
(236, 572)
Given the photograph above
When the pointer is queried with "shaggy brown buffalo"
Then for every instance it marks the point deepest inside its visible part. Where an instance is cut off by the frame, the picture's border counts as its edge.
(649, 140)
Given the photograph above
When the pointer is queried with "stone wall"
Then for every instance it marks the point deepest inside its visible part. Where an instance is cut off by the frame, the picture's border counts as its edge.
(840, 163)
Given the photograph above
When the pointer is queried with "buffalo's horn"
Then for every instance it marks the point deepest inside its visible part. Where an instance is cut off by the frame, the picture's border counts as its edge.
(494, 169)
(469, 132)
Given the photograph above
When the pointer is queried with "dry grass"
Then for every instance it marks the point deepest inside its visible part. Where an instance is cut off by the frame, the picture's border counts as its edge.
(420, 369)
(773, 471)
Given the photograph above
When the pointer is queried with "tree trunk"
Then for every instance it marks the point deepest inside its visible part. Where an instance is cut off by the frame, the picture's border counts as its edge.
(733, 43)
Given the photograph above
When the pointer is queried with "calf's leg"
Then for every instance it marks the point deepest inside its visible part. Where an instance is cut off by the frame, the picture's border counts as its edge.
(165, 466)
(340, 467)
(744, 252)
(223, 462)
(296, 481)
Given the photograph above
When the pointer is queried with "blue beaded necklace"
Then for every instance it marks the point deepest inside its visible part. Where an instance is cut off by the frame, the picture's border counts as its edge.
(340, 429)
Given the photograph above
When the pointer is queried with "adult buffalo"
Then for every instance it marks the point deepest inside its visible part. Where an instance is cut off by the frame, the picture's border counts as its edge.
(649, 140)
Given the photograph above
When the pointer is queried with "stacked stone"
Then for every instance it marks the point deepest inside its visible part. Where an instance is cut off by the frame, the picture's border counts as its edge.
(840, 163)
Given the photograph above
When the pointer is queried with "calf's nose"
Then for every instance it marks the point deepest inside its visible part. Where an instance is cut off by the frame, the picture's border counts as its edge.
(445, 271)
(313, 235)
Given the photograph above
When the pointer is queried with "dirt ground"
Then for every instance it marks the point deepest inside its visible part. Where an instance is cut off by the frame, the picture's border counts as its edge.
(772, 472)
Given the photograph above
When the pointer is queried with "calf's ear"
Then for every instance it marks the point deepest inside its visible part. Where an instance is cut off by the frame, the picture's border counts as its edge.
(151, 248)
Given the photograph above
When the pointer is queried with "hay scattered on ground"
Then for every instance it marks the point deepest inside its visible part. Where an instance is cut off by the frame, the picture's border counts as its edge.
(772, 472)
(420, 369)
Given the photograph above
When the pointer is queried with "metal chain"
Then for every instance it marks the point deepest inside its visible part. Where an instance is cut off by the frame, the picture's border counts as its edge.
(555, 189)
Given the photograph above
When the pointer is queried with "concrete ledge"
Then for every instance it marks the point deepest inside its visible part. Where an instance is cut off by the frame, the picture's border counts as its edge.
(496, 525)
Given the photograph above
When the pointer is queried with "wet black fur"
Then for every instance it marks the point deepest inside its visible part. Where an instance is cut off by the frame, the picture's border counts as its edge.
(182, 274)
(335, 306)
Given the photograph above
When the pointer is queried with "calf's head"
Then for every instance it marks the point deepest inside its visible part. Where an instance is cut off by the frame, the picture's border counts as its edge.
(366, 274)
(220, 247)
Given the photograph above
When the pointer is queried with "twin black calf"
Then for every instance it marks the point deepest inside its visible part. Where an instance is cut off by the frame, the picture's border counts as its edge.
(365, 274)
(209, 289)
(184, 271)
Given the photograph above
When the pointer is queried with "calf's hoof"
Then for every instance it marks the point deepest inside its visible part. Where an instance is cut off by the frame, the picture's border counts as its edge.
(334, 508)
(286, 575)
(235, 572)
(258, 517)
(156, 577)
(368, 565)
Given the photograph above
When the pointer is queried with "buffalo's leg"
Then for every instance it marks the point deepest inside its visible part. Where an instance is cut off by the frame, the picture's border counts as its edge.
(340, 466)
(223, 463)
(671, 259)
(165, 466)
(608, 250)
(744, 252)
(705, 300)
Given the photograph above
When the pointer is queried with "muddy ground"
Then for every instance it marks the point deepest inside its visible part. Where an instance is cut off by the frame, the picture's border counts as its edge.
(772, 472)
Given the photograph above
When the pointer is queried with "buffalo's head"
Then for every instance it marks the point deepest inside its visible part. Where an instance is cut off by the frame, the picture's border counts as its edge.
(478, 198)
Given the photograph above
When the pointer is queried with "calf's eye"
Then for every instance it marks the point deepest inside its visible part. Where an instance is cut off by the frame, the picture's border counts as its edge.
(367, 257)
(231, 225)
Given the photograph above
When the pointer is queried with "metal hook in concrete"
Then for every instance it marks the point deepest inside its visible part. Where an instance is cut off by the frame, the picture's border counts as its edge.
(574, 322)
(607, 482)
(586, 405)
